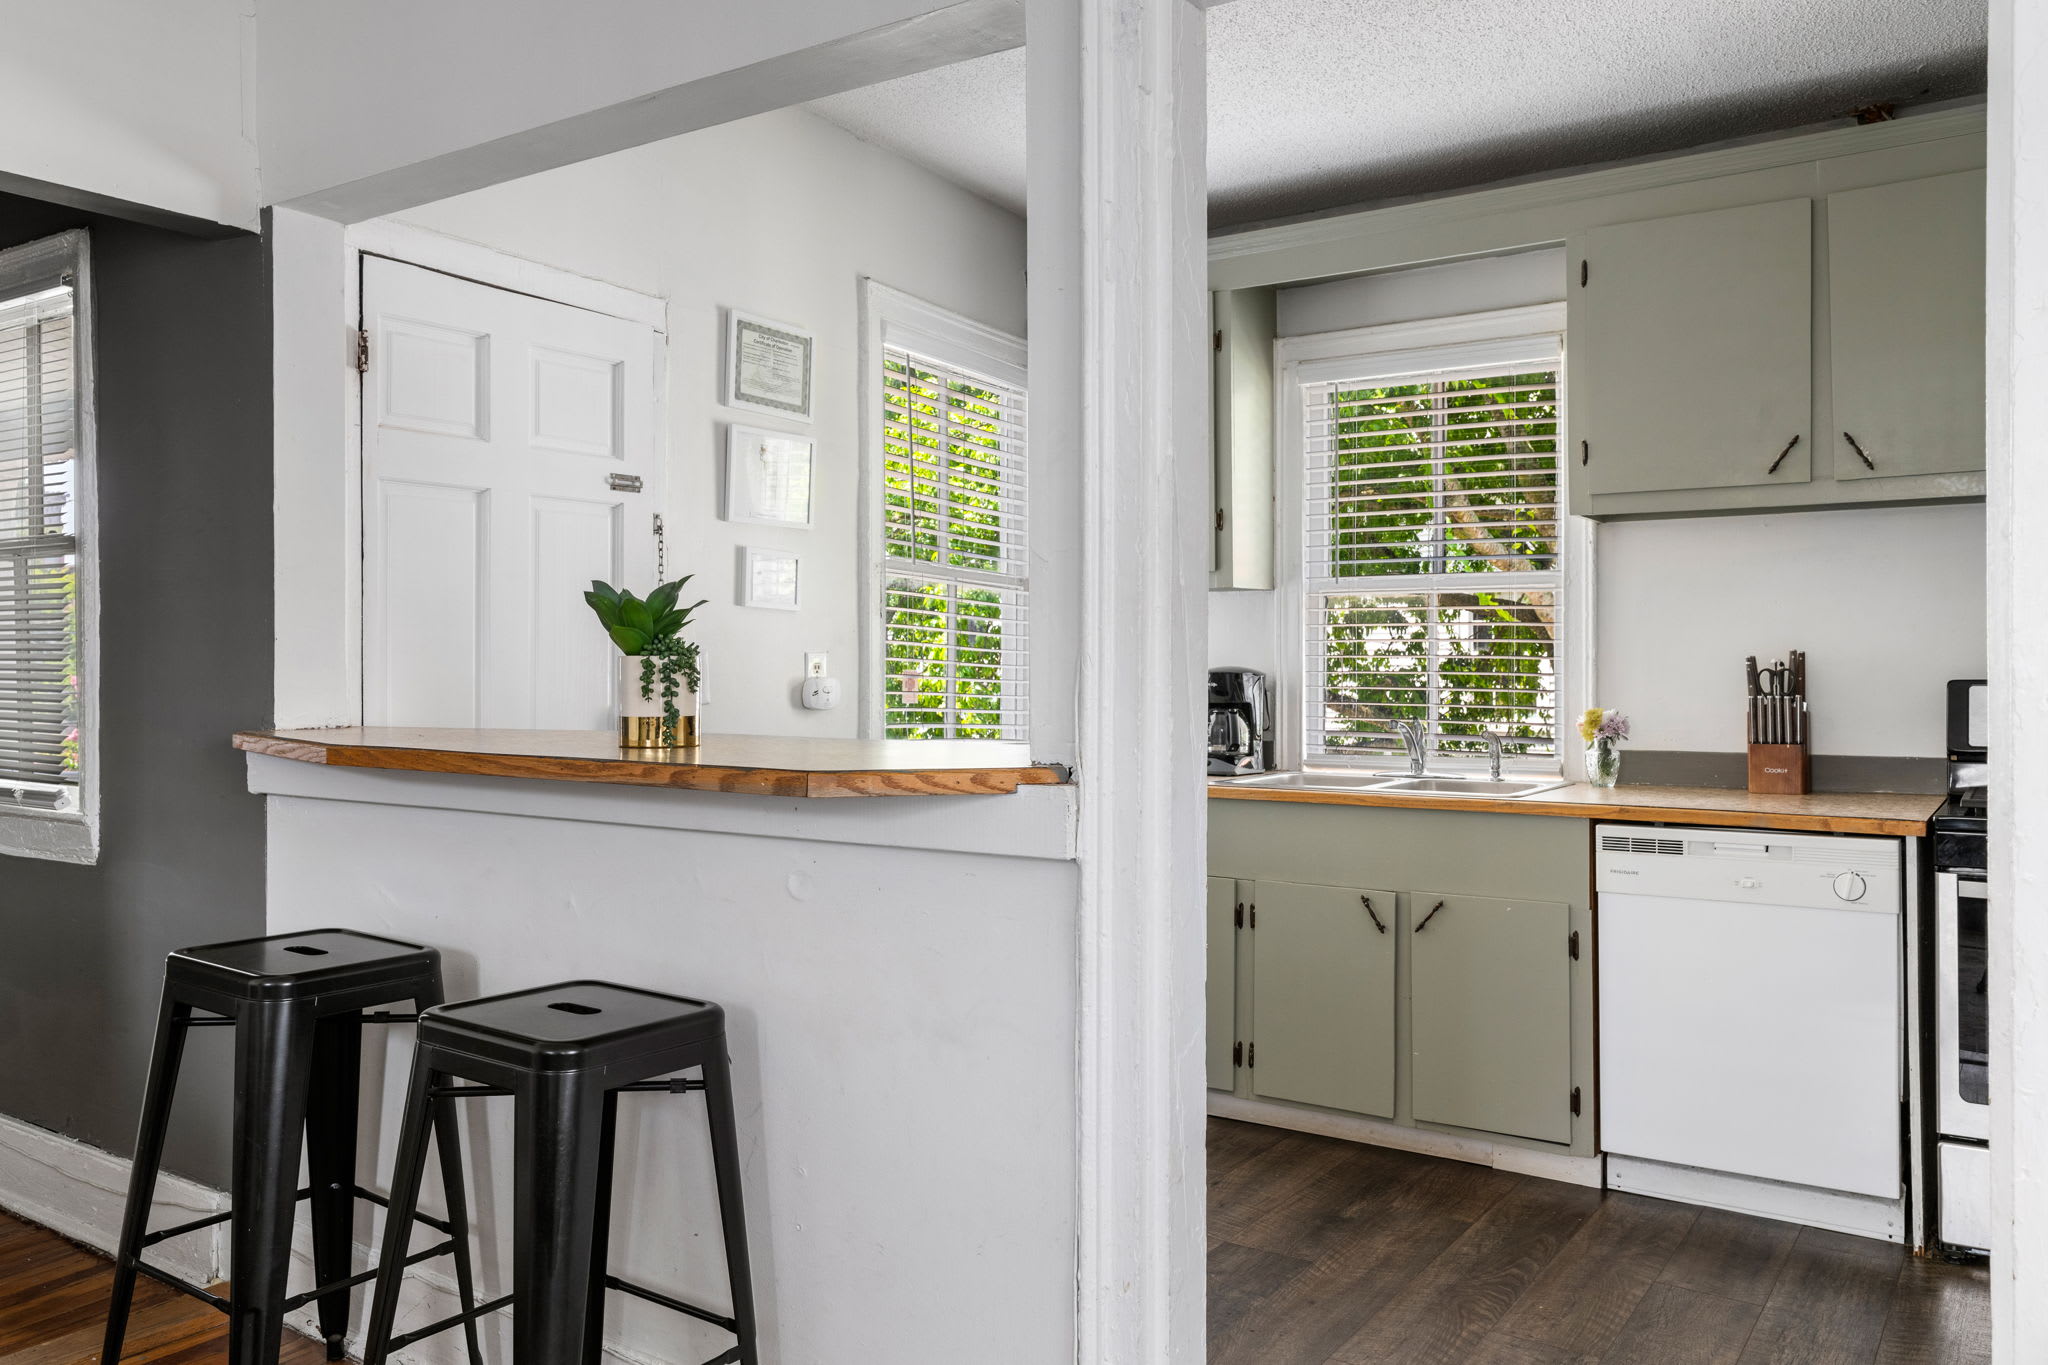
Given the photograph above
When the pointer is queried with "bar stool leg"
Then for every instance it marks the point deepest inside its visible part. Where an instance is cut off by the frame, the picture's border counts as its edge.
(273, 1064)
(559, 1121)
(407, 1169)
(331, 1110)
(448, 1144)
(732, 1214)
(166, 1054)
(601, 1231)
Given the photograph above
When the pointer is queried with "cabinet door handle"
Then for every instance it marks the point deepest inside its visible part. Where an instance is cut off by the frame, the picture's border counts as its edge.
(1366, 901)
(1428, 917)
(1868, 463)
(1783, 453)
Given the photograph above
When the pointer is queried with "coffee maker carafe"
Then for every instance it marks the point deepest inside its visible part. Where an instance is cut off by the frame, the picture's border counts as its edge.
(1240, 722)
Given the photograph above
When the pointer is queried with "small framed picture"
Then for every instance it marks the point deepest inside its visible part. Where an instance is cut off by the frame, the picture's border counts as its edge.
(768, 578)
(767, 365)
(767, 477)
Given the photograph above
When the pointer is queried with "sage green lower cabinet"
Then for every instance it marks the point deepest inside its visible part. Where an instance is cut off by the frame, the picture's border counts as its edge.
(1322, 997)
(1490, 1029)
(1222, 989)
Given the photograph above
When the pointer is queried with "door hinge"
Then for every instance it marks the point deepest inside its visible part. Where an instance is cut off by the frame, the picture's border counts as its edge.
(1237, 1054)
(1575, 945)
(1240, 917)
(1219, 339)
(1575, 1101)
(1585, 271)
(362, 352)
(1251, 1056)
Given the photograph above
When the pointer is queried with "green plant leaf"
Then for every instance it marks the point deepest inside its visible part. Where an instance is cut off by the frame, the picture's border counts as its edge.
(607, 610)
(604, 590)
(629, 640)
(633, 612)
(663, 598)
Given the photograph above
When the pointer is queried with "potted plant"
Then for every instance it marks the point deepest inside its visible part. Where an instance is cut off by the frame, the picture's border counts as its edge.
(657, 699)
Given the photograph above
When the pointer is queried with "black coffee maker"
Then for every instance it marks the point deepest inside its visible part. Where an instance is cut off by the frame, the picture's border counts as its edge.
(1240, 722)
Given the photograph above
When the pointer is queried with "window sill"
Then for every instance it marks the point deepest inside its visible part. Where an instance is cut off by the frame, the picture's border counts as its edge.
(57, 838)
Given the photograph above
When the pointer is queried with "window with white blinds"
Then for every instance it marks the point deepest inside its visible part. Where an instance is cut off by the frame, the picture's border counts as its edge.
(1432, 582)
(955, 592)
(39, 641)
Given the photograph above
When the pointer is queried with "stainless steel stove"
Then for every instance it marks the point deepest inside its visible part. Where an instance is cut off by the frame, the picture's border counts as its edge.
(1962, 911)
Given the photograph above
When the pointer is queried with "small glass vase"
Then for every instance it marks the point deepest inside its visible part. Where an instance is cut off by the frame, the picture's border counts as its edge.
(1603, 762)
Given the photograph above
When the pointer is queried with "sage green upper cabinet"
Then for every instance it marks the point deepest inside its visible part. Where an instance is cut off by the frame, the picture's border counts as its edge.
(1490, 1043)
(1906, 312)
(1691, 351)
(1322, 990)
(1222, 992)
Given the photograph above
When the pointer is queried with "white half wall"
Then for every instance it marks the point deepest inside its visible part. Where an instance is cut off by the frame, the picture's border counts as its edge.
(902, 1031)
(138, 103)
(780, 215)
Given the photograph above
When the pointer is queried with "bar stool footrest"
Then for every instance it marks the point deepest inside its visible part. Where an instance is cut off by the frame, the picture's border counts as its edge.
(298, 1301)
(182, 1286)
(673, 1305)
(438, 1224)
(400, 1343)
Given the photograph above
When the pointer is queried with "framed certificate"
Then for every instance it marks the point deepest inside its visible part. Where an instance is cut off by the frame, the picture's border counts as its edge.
(767, 365)
(768, 578)
(767, 477)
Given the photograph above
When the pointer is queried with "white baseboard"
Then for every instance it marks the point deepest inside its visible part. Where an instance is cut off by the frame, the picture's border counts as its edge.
(1857, 1214)
(1571, 1170)
(79, 1192)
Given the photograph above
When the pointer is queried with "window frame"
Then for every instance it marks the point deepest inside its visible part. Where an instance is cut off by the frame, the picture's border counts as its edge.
(1498, 336)
(893, 319)
(69, 836)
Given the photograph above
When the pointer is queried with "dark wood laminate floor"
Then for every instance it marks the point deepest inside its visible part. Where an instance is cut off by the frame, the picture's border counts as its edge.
(53, 1310)
(1324, 1252)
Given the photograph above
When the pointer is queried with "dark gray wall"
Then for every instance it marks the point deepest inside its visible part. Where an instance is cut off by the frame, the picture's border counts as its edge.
(182, 341)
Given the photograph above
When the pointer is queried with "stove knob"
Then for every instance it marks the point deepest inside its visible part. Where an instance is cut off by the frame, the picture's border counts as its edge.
(1849, 886)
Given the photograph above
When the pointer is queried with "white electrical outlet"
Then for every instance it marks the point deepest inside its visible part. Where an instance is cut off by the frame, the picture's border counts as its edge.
(815, 664)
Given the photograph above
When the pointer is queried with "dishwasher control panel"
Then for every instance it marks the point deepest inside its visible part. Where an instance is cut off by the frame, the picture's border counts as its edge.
(1763, 867)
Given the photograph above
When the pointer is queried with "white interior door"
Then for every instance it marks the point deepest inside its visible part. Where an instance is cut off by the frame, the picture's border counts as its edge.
(508, 459)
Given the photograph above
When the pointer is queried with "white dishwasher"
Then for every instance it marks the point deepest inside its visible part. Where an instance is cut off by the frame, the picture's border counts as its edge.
(1750, 996)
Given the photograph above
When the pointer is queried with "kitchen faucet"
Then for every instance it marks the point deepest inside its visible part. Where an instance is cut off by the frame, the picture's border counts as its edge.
(1414, 738)
(1493, 746)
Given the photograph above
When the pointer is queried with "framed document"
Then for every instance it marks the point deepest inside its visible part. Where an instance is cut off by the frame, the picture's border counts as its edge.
(767, 477)
(767, 365)
(768, 578)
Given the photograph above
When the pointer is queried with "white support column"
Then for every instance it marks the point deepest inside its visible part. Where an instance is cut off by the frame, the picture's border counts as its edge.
(1119, 379)
(2017, 431)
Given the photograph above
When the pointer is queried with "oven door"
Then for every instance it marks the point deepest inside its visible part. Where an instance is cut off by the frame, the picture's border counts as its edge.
(1962, 1029)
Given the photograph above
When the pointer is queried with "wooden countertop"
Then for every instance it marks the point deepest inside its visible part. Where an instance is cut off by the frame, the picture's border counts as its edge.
(1820, 812)
(755, 765)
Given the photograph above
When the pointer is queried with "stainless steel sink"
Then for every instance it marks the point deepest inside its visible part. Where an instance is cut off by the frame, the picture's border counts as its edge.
(1394, 784)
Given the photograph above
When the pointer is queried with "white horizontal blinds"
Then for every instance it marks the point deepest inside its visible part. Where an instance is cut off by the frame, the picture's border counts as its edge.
(1430, 560)
(955, 592)
(38, 552)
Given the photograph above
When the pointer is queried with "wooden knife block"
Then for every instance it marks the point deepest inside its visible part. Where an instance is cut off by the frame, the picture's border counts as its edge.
(1780, 769)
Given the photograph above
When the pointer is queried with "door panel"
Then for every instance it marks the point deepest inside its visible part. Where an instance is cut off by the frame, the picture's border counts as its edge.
(1691, 341)
(1323, 996)
(494, 423)
(1490, 1028)
(1222, 989)
(1906, 318)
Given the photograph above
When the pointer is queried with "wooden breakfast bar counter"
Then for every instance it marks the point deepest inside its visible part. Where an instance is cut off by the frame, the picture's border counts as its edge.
(754, 765)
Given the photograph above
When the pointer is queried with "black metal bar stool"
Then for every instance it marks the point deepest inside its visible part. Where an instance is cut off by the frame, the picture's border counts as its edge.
(565, 1054)
(296, 1003)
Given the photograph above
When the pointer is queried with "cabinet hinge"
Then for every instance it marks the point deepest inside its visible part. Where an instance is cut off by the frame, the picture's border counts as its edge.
(1585, 271)
(1219, 338)
(1585, 452)
(1219, 518)
(1575, 1101)
(1251, 1056)
(1240, 917)
(1575, 945)
(362, 352)
(1255, 916)
(1237, 1054)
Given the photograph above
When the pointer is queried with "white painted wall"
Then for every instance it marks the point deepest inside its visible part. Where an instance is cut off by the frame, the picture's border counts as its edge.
(901, 1025)
(2016, 429)
(143, 103)
(1888, 604)
(778, 215)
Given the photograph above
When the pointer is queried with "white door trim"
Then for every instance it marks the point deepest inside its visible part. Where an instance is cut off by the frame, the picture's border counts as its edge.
(488, 266)
(1119, 371)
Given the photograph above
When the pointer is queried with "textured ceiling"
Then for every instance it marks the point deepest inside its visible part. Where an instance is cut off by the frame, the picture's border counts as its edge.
(1315, 104)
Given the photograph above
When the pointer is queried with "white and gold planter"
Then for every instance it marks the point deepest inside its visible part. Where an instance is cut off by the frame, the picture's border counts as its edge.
(640, 724)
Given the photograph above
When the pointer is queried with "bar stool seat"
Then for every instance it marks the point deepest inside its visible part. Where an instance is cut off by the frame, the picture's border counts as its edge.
(564, 1054)
(297, 1003)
